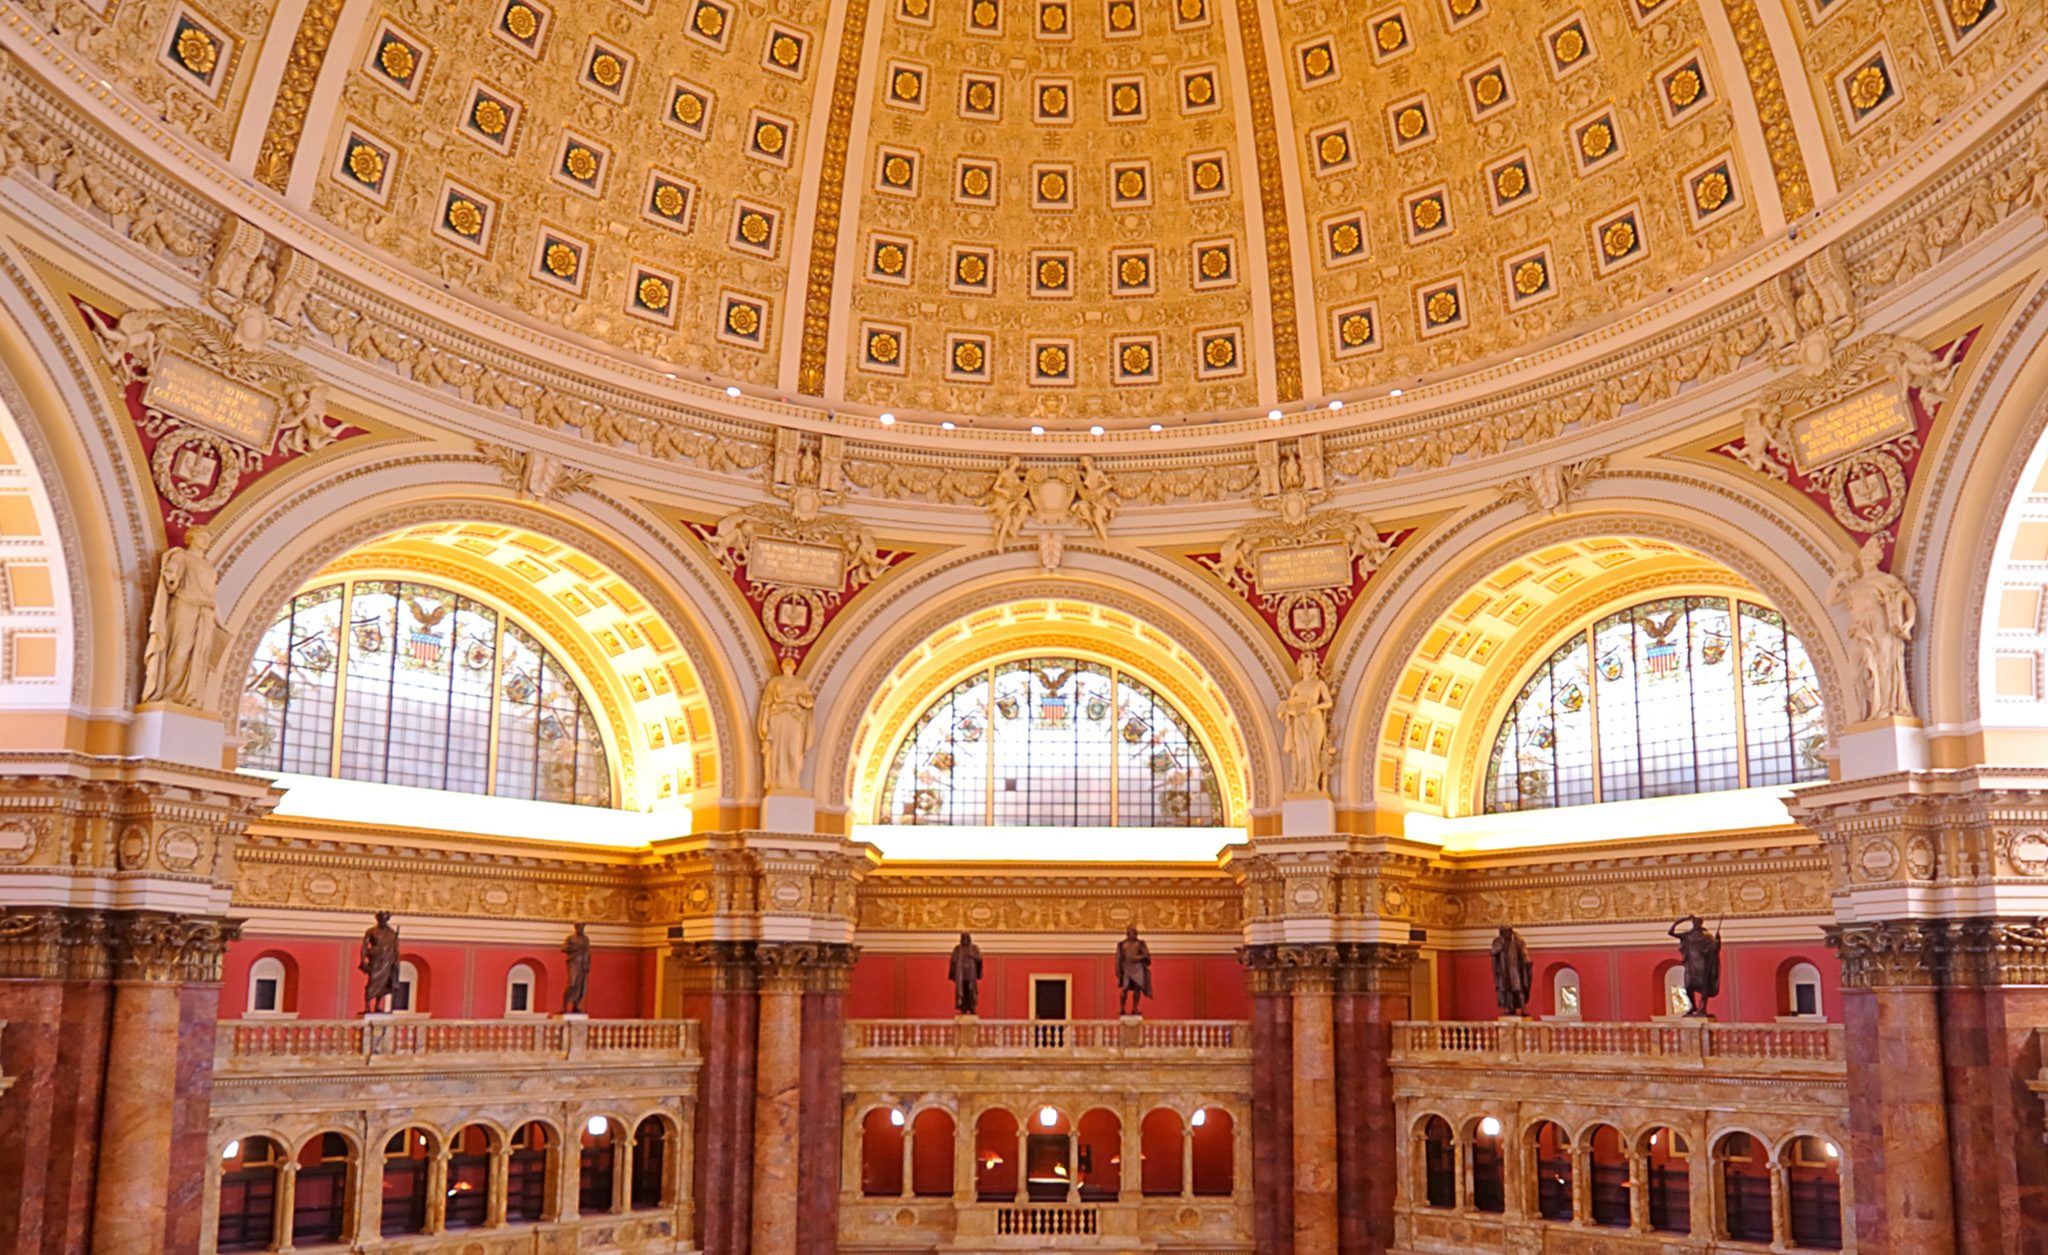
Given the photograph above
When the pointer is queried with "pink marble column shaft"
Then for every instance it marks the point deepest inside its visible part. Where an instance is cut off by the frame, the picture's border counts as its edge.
(1315, 1114)
(135, 1136)
(778, 1106)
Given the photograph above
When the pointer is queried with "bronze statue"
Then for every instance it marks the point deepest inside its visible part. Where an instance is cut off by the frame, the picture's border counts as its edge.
(379, 964)
(1133, 972)
(965, 970)
(1701, 952)
(1512, 973)
(577, 947)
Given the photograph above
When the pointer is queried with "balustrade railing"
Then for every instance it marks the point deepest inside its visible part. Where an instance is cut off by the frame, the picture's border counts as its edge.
(1047, 1222)
(1699, 1041)
(1010, 1036)
(335, 1040)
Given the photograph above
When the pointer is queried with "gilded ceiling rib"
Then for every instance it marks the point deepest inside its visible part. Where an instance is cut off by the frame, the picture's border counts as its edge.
(810, 371)
(1272, 206)
(1788, 164)
(295, 94)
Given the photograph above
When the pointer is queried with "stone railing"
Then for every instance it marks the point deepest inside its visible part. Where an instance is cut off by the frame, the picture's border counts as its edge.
(1680, 1043)
(274, 1042)
(1084, 1037)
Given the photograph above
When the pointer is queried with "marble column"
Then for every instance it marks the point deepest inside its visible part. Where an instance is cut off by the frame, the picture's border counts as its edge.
(1372, 990)
(1315, 1099)
(497, 1199)
(149, 1068)
(286, 1204)
(1272, 1113)
(56, 1004)
(778, 1099)
(827, 973)
(718, 983)
(1990, 1050)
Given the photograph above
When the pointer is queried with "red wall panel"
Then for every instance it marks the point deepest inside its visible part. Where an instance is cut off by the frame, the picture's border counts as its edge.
(1627, 984)
(462, 981)
(916, 986)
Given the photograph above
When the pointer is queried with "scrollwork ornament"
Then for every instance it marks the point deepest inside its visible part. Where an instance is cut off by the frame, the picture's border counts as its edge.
(1865, 512)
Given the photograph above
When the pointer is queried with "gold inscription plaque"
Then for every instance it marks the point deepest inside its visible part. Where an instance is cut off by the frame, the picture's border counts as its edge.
(1309, 566)
(1866, 419)
(782, 562)
(184, 389)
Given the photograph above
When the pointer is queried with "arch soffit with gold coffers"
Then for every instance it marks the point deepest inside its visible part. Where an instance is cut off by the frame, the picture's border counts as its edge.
(1206, 660)
(1971, 488)
(1463, 562)
(265, 581)
(108, 532)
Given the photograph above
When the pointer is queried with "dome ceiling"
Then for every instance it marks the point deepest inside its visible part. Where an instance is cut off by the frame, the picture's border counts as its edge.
(1066, 212)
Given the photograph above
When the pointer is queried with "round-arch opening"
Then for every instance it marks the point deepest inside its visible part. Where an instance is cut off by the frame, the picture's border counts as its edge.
(479, 658)
(1556, 679)
(1044, 713)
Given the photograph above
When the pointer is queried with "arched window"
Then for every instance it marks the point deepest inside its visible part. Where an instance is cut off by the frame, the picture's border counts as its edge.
(1553, 1171)
(1212, 1143)
(1668, 1182)
(522, 990)
(1676, 1000)
(1483, 1163)
(650, 1163)
(407, 1157)
(594, 1188)
(1052, 741)
(1813, 1193)
(406, 997)
(1802, 990)
(1564, 986)
(269, 993)
(526, 1177)
(469, 1178)
(1745, 1188)
(1159, 1150)
(425, 687)
(1101, 1149)
(1608, 1159)
(996, 1170)
(881, 1152)
(931, 1153)
(1669, 697)
(320, 1199)
(1439, 1164)
(248, 1194)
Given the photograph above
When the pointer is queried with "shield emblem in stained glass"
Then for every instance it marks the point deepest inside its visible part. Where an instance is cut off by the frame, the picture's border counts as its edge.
(1611, 667)
(1052, 708)
(1007, 707)
(1572, 697)
(369, 638)
(519, 686)
(551, 728)
(1713, 650)
(1097, 709)
(1662, 658)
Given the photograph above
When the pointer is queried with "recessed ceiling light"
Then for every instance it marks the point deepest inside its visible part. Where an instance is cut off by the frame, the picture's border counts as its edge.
(886, 419)
(948, 424)
(1095, 430)
(1158, 427)
(1036, 430)
(1393, 392)
(1273, 414)
(670, 375)
(1336, 405)
(732, 391)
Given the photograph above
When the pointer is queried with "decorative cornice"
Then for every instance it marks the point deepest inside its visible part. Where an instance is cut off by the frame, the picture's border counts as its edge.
(817, 323)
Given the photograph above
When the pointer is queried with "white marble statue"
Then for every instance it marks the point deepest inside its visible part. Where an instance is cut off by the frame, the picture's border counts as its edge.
(1305, 714)
(785, 729)
(181, 624)
(1008, 501)
(1881, 618)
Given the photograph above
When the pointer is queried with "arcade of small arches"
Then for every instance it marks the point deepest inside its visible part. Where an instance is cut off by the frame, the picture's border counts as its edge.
(321, 1189)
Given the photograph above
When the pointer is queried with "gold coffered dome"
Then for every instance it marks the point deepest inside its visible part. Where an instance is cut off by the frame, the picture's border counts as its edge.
(1279, 205)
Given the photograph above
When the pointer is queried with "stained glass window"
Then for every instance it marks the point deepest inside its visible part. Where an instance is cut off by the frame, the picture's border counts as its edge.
(398, 682)
(1681, 695)
(1062, 742)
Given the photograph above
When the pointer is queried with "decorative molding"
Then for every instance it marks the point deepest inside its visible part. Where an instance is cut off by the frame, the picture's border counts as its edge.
(295, 94)
(1272, 206)
(1982, 952)
(831, 187)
